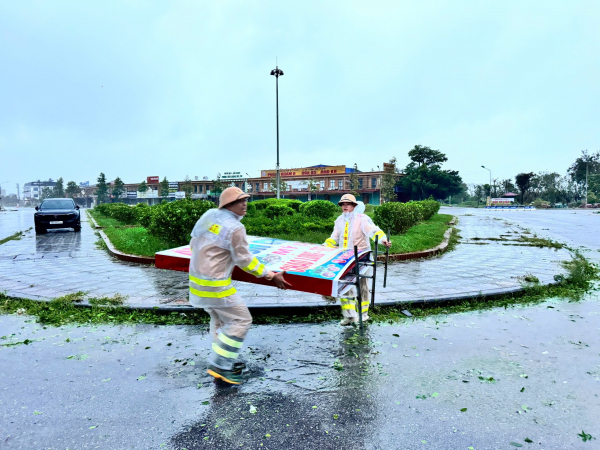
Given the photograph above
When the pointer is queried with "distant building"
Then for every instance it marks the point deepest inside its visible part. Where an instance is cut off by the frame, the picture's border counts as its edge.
(327, 182)
(33, 189)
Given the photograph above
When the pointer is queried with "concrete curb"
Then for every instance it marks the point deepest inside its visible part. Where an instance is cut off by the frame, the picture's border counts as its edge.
(290, 308)
(424, 253)
(93, 221)
(124, 256)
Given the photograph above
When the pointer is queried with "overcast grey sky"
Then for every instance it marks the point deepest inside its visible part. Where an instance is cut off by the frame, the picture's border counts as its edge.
(135, 89)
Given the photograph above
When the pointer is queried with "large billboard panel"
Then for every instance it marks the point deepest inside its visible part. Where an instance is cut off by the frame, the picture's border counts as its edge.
(307, 171)
(310, 267)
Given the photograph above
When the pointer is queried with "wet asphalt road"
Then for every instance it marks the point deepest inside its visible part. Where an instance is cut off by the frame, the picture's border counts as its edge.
(525, 373)
(522, 373)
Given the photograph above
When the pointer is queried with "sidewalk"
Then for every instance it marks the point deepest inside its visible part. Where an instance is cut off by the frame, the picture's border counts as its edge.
(47, 266)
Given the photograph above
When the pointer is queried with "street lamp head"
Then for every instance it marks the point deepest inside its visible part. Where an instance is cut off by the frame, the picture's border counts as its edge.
(483, 167)
(277, 72)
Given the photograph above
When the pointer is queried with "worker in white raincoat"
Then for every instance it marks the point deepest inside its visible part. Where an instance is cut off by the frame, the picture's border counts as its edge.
(352, 228)
(218, 244)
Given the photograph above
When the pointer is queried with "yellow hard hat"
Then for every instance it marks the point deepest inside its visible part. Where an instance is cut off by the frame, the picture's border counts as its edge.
(230, 195)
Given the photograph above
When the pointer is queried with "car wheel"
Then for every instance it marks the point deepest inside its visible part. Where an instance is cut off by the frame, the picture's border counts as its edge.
(77, 228)
(40, 230)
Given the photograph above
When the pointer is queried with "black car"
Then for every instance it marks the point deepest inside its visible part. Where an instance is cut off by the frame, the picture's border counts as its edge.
(57, 213)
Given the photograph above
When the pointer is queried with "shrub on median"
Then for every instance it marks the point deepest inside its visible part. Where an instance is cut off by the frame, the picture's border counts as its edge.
(319, 209)
(399, 217)
(174, 221)
(119, 211)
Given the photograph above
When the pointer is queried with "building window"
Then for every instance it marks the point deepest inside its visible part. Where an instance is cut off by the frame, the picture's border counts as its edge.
(360, 183)
(265, 186)
(322, 184)
(195, 189)
(341, 184)
(257, 187)
(331, 184)
(374, 183)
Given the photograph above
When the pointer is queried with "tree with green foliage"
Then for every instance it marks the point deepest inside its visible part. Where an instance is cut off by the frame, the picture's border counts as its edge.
(46, 193)
(388, 181)
(587, 162)
(487, 189)
(101, 188)
(283, 186)
(507, 186)
(59, 190)
(118, 188)
(313, 186)
(164, 188)
(424, 177)
(187, 187)
(354, 182)
(72, 189)
(142, 187)
(523, 182)
(218, 187)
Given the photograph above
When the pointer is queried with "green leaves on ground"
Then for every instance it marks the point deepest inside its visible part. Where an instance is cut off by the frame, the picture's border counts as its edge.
(585, 437)
(78, 357)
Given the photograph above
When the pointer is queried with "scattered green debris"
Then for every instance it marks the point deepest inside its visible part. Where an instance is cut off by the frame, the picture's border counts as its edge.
(529, 278)
(15, 236)
(585, 437)
(115, 300)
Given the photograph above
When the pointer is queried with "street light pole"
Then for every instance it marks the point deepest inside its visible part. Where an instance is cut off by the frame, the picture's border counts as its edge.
(586, 183)
(490, 179)
(277, 73)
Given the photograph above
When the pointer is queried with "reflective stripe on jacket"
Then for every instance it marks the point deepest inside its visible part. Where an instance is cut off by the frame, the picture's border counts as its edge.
(352, 229)
(219, 244)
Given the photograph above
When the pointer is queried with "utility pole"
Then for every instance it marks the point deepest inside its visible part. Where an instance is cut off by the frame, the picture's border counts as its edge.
(277, 73)
(490, 181)
(18, 194)
(586, 183)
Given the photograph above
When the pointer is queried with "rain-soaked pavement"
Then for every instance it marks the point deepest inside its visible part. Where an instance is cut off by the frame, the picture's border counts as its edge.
(480, 380)
(35, 266)
(491, 380)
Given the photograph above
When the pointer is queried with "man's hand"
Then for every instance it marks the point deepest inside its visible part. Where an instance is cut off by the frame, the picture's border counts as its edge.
(280, 281)
(387, 243)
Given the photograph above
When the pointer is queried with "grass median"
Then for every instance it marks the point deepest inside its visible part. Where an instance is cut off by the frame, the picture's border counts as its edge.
(136, 240)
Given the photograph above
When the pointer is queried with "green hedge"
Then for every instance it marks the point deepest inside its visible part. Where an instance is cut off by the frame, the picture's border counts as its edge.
(399, 217)
(170, 221)
(119, 211)
(265, 226)
(174, 221)
(263, 204)
(319, 209)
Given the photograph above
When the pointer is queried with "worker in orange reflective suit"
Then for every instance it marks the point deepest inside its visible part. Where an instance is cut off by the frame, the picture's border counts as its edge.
(219, 244)
(350, 229)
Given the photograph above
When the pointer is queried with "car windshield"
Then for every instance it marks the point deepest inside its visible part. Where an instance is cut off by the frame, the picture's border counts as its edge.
(57, 204)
